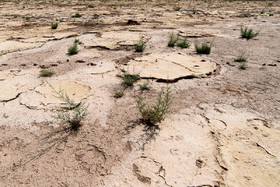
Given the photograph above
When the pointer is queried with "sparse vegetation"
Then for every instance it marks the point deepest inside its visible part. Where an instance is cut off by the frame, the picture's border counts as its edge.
(140, 46)
(129, 79)
(46, 73)
(241, 58)
(248, 33)
(172, 40)
(77, 15)
(144, 86)
(73, 113)
(183, 43)
(119, 94)
(77, 41)
(243, 66)
(177, 8)
(204, 48)
(72, 50)
(155, 113)
(54, 25)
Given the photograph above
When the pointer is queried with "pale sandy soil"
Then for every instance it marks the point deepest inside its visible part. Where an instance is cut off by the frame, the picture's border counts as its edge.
(223, 127)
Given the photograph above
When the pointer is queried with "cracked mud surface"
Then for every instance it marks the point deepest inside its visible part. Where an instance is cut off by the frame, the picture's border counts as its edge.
(223, 128)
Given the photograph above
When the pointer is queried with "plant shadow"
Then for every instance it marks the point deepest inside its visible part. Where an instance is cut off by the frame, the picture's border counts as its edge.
(55, 140)
(149, 131)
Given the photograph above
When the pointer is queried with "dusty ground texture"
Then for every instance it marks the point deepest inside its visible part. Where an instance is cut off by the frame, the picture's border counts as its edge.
(223, 127)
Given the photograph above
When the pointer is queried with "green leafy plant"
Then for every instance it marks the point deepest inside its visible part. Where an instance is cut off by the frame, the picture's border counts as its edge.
(140, 46)
(119, 94)
(73, 113)
(248, 33)
(54, 25)
(46, 73)
(72, 50)
(172, 40)
(129, 79)
(183, 43)
(204, 48)
(243, 66)
(155, 113)
(241, 58)
(77, 15)
(144, 86)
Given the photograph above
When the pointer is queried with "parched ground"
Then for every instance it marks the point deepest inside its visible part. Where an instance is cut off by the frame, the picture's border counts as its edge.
(223, 127)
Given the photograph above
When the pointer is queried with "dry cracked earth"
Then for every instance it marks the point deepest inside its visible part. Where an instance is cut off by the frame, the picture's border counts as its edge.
(223, 127)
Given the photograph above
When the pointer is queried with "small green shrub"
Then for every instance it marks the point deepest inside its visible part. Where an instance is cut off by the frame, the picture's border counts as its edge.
(241, 58)
(77, 41)
(248, 33)
(155, 113)
(54, 25)
(77, 15)
(204, 48)
(263, 11)
(73, 113)
(243, 66)
(194, 11)
(172, 40)
(177, 8)
(46, 73)
(140, 46)
(144, 86)
(183, 43)
(72, 50)
(119, 94)
(129, 79)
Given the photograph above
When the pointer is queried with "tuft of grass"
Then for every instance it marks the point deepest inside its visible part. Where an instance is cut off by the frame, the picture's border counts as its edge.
(119, 94)
(183, 43)
(204, 48)
(73, 113)
(155, 113)
(144, 86)
(243, 66)
(129, 79)
(241, 58)
(172, 40)
(271, 14)
(77, 15)
(140, 46)
(77, 41)
(72, 50)
(177, 8)
(46, 73)
(54, 25)
(248, 33)
(263, 11)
